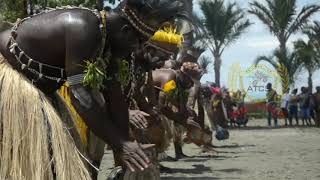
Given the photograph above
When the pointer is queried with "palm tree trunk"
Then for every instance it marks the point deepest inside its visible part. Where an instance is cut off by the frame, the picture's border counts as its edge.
(283, 45)
(217, 67)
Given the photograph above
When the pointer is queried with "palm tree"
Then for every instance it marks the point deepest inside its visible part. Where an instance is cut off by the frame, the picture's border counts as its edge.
(282, 20)
(285, 71)
(306, 56)
(224, 24)
(281, 17)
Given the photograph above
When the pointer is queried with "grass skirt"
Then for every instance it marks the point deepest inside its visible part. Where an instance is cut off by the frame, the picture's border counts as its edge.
(34, 143)
(166, 136)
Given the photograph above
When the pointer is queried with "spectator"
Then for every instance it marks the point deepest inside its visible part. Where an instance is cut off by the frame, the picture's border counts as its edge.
(304, 104)
(271, 105)
(293, 107)
(316, 100)
(284, 107)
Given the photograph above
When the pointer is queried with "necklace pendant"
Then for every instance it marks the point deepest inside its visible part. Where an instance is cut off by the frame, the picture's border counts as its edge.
(23, 66)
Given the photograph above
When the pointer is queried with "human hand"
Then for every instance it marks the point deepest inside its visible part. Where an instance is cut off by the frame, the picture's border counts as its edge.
(134, 157)
(138, 119)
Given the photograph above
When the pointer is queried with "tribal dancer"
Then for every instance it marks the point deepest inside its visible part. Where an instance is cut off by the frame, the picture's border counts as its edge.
(172, 86)
(39, 57)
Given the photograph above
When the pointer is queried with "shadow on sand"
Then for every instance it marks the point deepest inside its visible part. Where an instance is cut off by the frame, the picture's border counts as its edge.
(195, 178)
(231, 170)
(235, 146)
(267, 127)
(197, 169)
(188, 178)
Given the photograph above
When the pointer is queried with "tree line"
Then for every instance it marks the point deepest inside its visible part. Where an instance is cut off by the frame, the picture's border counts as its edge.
(13, 9)
(223, 23)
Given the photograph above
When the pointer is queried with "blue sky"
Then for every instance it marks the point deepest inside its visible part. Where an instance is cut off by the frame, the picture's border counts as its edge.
(256, 41)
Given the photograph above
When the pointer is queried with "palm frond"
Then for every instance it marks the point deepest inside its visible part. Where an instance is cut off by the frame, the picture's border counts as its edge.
(204, 62)
(237, 31)
(200, 33)
(264, 14)
(302, 18)
(224, 24)
(268, 59)
(306, 55)
(313, 32)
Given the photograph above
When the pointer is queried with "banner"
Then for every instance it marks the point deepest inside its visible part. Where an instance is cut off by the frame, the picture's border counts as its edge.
(253, 81)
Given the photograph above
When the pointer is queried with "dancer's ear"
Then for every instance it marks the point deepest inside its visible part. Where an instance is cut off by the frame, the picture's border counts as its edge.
(127, 31)
(125, 28)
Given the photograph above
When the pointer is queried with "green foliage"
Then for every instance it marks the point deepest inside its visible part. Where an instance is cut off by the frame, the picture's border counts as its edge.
(124, 73)
(10, 10)
(313, 32)
(306, 54)
(281, 16)
(224, 24)
(94, 75)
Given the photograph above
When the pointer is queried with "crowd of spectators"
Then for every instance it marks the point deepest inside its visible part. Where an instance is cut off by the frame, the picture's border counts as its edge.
(302, 107)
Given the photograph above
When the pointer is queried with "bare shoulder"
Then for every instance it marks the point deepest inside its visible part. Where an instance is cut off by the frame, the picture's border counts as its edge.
(164, 74)
(4, 40)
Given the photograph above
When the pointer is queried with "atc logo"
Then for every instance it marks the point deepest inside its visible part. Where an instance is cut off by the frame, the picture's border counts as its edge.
(253, 80)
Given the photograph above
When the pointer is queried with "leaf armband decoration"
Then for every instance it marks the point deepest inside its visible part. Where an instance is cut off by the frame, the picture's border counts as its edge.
(124, 73)
(94, 75)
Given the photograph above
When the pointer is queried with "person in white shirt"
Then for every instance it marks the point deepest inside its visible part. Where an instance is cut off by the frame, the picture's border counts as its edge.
(284, 107)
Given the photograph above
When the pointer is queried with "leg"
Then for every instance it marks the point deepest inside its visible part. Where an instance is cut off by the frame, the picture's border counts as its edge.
(269, 117)
(275, 120)
(178, 150)
(290, 116)
(318, 118)
(287, 117)
(296, 117)
(284, 111)
(275, 116)
(177, 142)
(309, 116)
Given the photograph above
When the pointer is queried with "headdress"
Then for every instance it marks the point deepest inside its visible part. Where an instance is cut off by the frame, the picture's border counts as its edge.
(165, 39)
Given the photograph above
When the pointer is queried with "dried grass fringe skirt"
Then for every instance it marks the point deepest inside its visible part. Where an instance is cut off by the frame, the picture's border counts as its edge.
(34, 142)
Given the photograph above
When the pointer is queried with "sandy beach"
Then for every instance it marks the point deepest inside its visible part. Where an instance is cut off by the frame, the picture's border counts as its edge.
(256, 152)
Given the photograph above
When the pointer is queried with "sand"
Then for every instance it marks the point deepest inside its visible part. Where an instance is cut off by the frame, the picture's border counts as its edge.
(256, 152)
